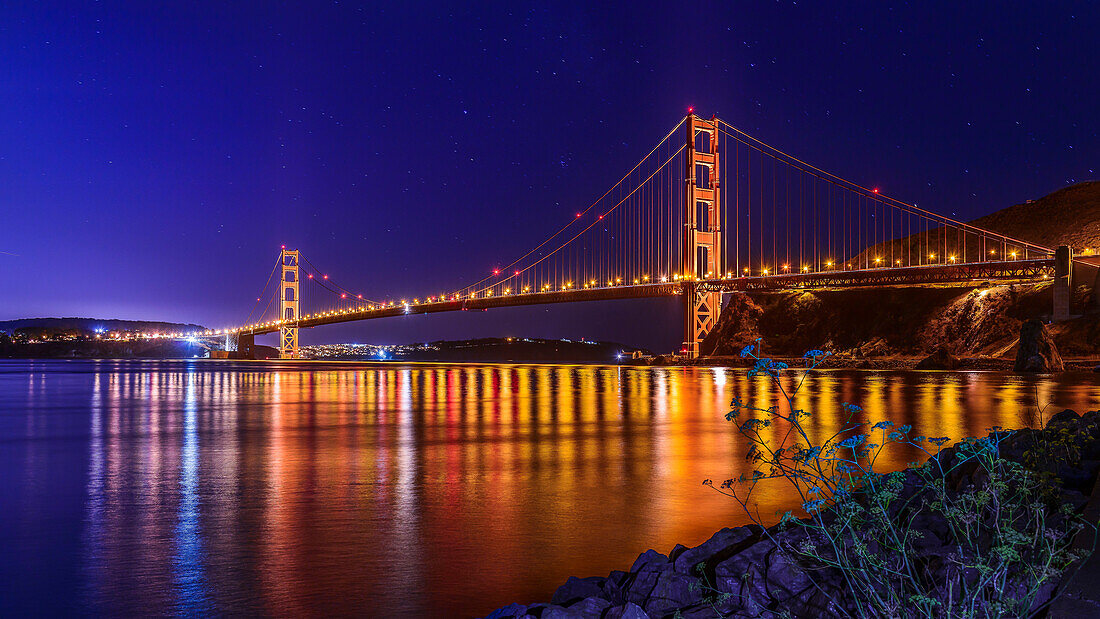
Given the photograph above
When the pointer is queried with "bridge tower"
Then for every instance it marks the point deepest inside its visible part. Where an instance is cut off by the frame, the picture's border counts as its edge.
(289, 301)
(701, 243)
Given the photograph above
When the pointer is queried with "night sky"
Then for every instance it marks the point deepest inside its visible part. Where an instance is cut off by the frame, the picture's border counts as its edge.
(153, 159)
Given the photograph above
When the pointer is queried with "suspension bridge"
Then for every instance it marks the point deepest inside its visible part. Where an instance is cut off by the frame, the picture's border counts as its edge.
(709, 210)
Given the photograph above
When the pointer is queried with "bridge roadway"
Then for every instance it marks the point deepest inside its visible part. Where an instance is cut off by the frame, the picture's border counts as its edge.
(885, 276)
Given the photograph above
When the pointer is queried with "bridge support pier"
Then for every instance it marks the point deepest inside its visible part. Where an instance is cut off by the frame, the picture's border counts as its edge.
(702, 232)
(246, 346)
(1063, 282)
(240, 345)
(701, 310)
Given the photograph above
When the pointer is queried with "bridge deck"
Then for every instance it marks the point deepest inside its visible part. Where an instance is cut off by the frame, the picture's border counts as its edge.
(927, 274)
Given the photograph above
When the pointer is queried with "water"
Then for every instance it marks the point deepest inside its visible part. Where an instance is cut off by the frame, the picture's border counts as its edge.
(285, 488)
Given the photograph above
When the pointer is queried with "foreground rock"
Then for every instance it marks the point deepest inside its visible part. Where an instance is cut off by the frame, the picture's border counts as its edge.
(740, 572)
(939, 360)
(1037, 352)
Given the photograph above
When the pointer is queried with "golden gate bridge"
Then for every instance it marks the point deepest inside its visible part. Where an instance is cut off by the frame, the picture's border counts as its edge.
(709, 210)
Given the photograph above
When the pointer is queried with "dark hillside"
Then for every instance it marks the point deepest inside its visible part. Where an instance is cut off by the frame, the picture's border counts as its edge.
(1069, 216)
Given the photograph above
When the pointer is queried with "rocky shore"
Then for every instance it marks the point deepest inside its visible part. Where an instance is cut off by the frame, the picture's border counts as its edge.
(741, 572)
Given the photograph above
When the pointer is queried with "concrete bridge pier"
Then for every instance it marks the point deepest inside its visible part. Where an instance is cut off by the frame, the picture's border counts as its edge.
(246, 346)
(240, 345)
(1063, 282)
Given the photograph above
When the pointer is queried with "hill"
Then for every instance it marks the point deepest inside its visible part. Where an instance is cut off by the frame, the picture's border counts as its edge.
(91, 324)
(1069, 216)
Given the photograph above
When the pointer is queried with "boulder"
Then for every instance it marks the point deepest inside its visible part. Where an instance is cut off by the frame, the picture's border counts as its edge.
(576, 589)
(626, 611)
(551, 611)
(649, 560)
(673, 590)
(1037, 352)
(507, 612)
(584, 609)
(1065, 416)
(722, 540)
(939, 360)
(877, 347)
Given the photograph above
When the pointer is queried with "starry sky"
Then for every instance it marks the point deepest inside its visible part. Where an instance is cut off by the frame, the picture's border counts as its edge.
(154, 156)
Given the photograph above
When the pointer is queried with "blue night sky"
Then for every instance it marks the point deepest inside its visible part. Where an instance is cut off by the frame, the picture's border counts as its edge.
(154, 158)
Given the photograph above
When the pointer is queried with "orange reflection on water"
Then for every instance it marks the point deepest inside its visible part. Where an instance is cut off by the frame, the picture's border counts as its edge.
(325, 488)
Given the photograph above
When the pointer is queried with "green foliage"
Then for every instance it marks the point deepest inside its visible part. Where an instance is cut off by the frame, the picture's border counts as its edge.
(966, 534)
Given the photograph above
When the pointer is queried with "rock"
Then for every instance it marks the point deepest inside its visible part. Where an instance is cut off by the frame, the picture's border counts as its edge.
(588, 608)
(673, 590)
(511, 610)
(626, 611)
(939, 360)
(685, 563)
(877, 347)
(1096, 369)
(591, 607)
(737, 327)
(1064, 416)
(576, 589)
(551, 611)
(676, 551)
(648, 561)
(1037, 352)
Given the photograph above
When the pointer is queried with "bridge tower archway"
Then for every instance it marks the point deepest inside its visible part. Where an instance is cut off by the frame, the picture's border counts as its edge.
(289, 301)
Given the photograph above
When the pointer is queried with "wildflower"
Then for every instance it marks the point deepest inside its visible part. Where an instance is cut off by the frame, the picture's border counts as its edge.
(854, 441)
(882, 425)
(939, 440)
(746, 351)
(814, 505)
(811, 354)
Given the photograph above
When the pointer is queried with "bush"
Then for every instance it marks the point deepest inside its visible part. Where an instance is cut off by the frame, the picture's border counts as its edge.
(966, 534)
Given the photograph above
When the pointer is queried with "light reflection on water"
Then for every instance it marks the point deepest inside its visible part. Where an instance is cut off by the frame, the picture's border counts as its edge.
(292, 488)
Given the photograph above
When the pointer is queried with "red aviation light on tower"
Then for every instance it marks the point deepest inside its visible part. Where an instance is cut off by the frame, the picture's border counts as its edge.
(578, 214)
(496, 271)
(344, 296)
(691, 109)
(311, 275)
(516, 273)
(875, 190)
(325, 276)
(282, 247)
